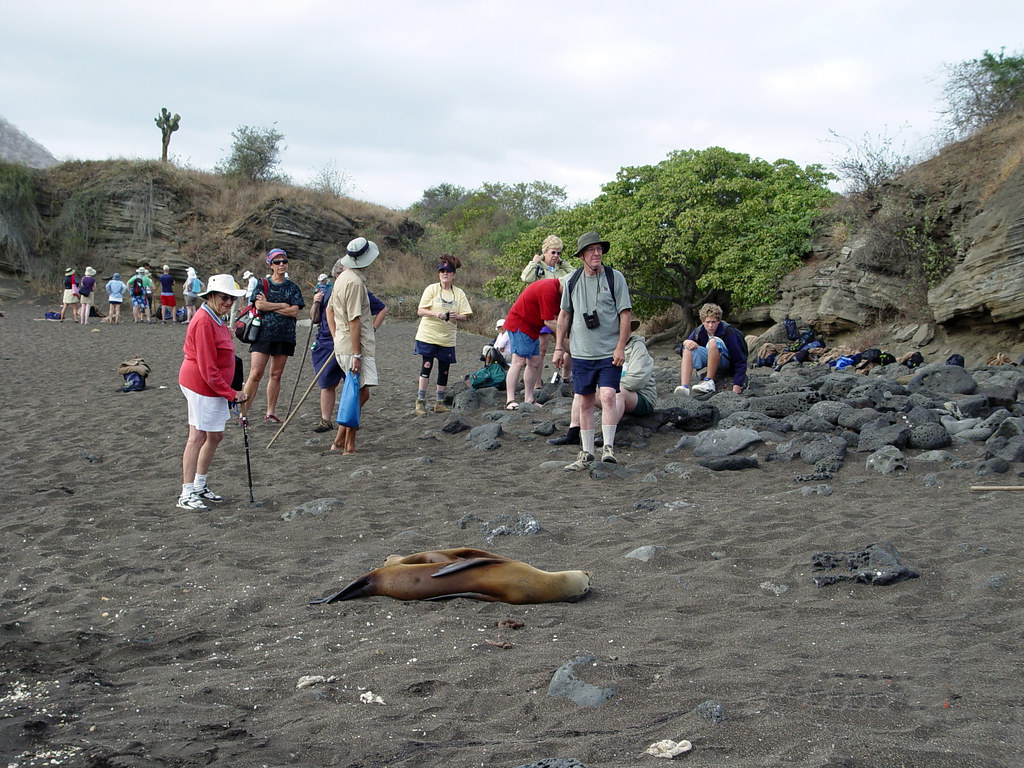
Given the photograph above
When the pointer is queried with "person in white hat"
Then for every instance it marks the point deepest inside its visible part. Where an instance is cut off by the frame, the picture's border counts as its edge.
(205, 380)
(351, 319)
(70, 297)
(190, 293)
(86, 292)
(139, 288)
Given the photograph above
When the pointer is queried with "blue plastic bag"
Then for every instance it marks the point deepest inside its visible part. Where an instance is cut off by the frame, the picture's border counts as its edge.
(348, 404)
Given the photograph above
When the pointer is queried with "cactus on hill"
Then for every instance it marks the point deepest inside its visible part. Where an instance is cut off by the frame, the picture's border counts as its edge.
(167, 126)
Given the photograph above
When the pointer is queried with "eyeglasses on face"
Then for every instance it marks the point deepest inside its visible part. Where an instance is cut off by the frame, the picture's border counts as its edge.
(279, 261)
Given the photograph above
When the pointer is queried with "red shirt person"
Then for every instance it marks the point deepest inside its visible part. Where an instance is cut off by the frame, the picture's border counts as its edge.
(536, 307)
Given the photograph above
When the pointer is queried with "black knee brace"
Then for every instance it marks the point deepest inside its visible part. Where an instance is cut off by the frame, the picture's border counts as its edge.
(442, 373)
(425, 370)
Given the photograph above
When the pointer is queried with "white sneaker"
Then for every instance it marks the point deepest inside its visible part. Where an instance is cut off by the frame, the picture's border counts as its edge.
(192, 502)
(207, 495)
(706, 386)
(681, 390)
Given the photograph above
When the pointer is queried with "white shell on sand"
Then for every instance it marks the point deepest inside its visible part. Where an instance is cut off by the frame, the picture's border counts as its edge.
(668, 748)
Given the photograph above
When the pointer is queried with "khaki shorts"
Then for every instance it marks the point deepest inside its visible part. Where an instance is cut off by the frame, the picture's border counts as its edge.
(367, 376)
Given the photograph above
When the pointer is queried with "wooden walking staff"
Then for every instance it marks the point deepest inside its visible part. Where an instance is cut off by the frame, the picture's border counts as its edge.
(301, 400)
(997, 487)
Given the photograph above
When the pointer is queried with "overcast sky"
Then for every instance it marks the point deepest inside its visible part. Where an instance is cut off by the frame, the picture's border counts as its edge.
(402, 95)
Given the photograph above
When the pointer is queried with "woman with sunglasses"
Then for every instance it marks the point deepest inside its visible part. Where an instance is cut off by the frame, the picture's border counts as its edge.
(548, 264)
(441, 307)
(279, 307)
(205, 380)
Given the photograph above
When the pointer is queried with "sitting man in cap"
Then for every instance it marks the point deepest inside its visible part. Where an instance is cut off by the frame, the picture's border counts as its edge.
(596, 313)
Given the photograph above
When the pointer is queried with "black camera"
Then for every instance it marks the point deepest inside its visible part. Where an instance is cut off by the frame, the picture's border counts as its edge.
(447, 316)
(591, 320)
(539, 271)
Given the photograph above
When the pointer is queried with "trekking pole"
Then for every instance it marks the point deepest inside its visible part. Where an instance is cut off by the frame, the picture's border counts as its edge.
(302, 363)
(248, 465)
(301, 400)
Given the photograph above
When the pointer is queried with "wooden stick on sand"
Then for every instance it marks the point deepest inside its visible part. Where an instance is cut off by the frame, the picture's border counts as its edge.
(997, 487)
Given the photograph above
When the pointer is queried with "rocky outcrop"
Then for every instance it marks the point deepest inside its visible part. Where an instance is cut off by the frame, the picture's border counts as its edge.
(962, 213)
(989, 282)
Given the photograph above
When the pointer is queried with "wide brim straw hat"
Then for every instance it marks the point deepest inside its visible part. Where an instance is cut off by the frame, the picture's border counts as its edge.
(223, 284)
(360, 253)
(89, 271)
(69, 271)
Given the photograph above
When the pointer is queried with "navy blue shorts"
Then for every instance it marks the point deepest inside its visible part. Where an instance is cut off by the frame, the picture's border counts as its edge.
(332, 375)
(443, 354)
(588, 375)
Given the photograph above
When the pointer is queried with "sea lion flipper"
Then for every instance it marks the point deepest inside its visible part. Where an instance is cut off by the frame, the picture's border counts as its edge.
(357, 588)
(467, 595)
(461, 565)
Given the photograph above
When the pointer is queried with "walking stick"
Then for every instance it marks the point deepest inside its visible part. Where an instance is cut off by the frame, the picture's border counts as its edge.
(301, 400)
(302, 363)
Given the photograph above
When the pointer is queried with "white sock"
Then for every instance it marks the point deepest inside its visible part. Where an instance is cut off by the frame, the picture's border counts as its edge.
(587, 440)
(186, 490)
(200, 483)
(608, 433)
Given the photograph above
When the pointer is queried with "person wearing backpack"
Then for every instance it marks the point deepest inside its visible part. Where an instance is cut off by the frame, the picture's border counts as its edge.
(139, 288)
(717, 346)
(595, 314)
(85, 295)
(190, 294)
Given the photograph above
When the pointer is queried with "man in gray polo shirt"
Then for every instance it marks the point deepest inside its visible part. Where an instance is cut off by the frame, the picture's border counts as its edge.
(596, 315)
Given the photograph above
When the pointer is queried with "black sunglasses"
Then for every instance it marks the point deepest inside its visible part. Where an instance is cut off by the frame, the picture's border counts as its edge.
(279, 261)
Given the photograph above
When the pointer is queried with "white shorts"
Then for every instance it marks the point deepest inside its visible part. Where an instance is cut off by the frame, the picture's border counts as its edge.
(368, 374)
(205, 413)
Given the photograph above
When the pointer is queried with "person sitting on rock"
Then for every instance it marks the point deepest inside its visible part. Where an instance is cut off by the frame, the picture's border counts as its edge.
(717, 346)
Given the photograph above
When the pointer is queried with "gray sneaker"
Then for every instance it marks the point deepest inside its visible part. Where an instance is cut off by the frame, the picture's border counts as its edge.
(608, 455)
(583, 461)
(681, 390)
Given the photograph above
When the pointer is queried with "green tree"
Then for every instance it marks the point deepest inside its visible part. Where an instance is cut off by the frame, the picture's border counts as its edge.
(698, 224)
(167, 125)
(255, 154)
(484, 219)
(980, 91)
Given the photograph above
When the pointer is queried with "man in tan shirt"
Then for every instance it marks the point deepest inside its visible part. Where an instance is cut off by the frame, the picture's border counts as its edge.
(351, 322)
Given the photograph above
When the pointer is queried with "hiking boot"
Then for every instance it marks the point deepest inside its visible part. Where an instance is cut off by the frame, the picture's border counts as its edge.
(205, 494)
(323, 426)
(705, 387)
(681, 390)
(572, 437)
(440, 407)
(192, 502)
(583, 461)
(608, 455)
(421, 407)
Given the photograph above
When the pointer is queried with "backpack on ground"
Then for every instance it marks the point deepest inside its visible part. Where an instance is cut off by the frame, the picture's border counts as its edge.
(134, 372)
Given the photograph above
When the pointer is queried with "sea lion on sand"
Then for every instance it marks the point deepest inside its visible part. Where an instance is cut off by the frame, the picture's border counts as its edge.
(471, 573)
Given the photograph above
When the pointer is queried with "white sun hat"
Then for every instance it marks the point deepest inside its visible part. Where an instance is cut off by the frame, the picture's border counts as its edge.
(223, 284)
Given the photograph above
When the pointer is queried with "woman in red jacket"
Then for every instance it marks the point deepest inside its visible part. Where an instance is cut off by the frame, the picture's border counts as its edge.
(205, 379)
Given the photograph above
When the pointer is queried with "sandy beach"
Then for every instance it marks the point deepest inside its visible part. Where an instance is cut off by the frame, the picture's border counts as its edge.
(137, 634)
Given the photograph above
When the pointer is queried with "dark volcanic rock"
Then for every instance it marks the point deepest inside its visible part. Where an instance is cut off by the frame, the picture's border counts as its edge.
(929, 436)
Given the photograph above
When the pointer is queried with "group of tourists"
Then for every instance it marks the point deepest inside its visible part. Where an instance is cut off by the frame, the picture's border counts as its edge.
(588, 312)
(150, 298)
